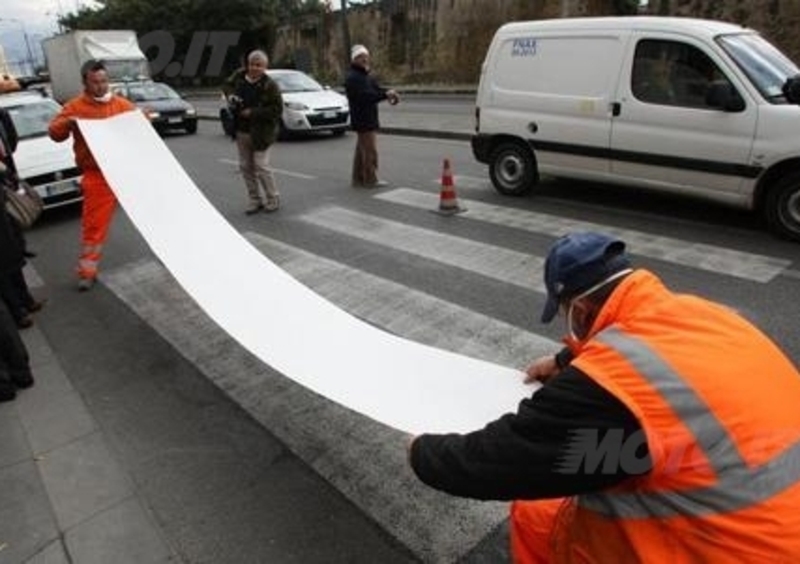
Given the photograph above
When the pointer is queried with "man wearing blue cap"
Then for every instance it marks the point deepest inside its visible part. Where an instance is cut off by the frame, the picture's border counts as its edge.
(649, 441)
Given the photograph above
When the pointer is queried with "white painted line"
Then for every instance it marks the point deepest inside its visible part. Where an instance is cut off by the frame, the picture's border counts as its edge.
(460, 181)
(512, 267)
(712, 258)
(275, 170)
(32, 276)
(407, 312)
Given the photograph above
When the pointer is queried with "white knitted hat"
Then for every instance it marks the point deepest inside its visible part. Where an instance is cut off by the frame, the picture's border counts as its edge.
(358, 50)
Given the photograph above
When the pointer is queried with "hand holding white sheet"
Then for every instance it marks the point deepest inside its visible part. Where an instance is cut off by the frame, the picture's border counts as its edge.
(403, 384)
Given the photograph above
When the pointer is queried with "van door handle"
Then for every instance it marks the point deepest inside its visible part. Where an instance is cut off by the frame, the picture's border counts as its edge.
(616, 108)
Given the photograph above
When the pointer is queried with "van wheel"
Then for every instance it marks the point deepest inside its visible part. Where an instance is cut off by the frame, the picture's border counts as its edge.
(512, 169)
(782, 207)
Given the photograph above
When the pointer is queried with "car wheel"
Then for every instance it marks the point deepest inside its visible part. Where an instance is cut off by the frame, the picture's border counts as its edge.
(782, 207)
(191, 127)
(512, 169)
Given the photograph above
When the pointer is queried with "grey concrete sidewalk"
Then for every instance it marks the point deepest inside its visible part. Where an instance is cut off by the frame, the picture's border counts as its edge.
(64, 498)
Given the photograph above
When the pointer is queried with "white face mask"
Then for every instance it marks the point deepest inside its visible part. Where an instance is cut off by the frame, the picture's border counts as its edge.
(570, 326)
(105, 98)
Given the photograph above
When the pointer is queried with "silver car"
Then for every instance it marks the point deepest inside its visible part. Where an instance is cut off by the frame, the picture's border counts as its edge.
(308, 106)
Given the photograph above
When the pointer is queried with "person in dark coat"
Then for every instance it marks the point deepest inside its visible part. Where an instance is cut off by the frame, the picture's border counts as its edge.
(13, 287)
(15, 369)
(364, 94)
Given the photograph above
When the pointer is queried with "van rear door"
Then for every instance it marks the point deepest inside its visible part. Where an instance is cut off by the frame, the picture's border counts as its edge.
(667, 132)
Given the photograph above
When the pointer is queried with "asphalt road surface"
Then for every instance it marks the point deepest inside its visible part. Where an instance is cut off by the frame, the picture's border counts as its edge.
(233, 462)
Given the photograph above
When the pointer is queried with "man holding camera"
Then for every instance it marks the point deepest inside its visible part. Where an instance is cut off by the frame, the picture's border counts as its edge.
(257, 104)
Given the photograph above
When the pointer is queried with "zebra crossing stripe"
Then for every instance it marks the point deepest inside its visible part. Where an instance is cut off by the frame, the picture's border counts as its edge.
(498, 263)
(407, 312)
(711, 258)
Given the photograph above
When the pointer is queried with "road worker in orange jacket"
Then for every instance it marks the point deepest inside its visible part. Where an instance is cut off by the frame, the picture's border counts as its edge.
(668, 431)
(96, 102)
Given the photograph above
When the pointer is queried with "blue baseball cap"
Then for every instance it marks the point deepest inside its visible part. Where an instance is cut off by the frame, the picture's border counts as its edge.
(578, 261)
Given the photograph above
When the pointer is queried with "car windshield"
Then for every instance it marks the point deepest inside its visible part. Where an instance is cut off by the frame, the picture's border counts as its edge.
(150, 92)
(32, 120)
(296, 82)
(121, 70)
(763, 64)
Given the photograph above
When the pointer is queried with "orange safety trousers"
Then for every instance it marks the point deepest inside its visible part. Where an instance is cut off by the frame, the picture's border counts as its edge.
(532, 524)
(99, 204)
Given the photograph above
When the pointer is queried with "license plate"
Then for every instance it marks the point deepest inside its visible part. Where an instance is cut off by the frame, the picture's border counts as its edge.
(61, 188)
(174, 120)
(329, 115)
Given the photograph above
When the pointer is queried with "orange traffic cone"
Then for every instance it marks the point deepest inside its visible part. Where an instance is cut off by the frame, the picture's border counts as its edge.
(448, 202)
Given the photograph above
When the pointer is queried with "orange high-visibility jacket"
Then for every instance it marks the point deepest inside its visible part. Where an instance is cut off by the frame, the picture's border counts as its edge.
(719, 404)
(85, 107)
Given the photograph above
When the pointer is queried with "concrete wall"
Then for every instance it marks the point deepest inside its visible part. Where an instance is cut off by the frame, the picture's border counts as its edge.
(444, 41)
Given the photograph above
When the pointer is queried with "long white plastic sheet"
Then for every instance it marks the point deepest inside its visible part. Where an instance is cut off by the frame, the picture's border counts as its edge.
(406, 385)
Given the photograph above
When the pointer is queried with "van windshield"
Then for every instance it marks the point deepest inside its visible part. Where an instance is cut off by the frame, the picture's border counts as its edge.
(763, 64)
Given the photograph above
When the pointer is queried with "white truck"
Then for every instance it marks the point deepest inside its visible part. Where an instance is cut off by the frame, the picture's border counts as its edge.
(117, 49)
(695, 107)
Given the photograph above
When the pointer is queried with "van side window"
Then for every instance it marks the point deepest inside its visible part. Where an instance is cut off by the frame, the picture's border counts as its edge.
(674, 74)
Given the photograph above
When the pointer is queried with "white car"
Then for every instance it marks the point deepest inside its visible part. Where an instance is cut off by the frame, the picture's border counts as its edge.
(47, 166)
(307, 105)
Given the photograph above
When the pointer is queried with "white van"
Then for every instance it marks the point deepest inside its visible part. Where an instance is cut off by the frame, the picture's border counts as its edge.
(689, 106)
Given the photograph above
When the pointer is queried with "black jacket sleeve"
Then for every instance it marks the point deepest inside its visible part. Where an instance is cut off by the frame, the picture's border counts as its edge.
(8, 131)
(537, 452)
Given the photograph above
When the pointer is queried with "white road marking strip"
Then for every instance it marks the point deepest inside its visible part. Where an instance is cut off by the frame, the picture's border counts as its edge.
(460, 181)
(712, 258)
(275, 170)
(32, 276)
(513, 267)
(410, 313)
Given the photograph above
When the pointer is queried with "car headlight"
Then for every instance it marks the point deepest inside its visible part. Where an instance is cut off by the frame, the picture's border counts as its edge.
(191, 111)
(297, 106)
(153, 115)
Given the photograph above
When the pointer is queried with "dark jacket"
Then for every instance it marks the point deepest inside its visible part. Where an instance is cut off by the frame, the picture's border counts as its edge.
(524, 455)
(9, 139)
(363, 95)
(266, 107)
(12, 245)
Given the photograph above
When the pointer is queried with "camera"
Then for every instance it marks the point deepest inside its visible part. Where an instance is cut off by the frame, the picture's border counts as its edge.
(235, 104)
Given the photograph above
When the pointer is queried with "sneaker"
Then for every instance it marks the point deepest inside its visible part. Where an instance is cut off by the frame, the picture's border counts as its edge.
(377, 184)
(85, 284)
(272, 204)
(254, 208)
(7, 391)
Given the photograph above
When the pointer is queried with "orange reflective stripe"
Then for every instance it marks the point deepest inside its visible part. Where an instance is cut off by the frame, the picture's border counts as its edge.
(738, 486)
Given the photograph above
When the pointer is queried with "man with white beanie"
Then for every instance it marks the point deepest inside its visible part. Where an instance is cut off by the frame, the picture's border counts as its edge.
(364, 94)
